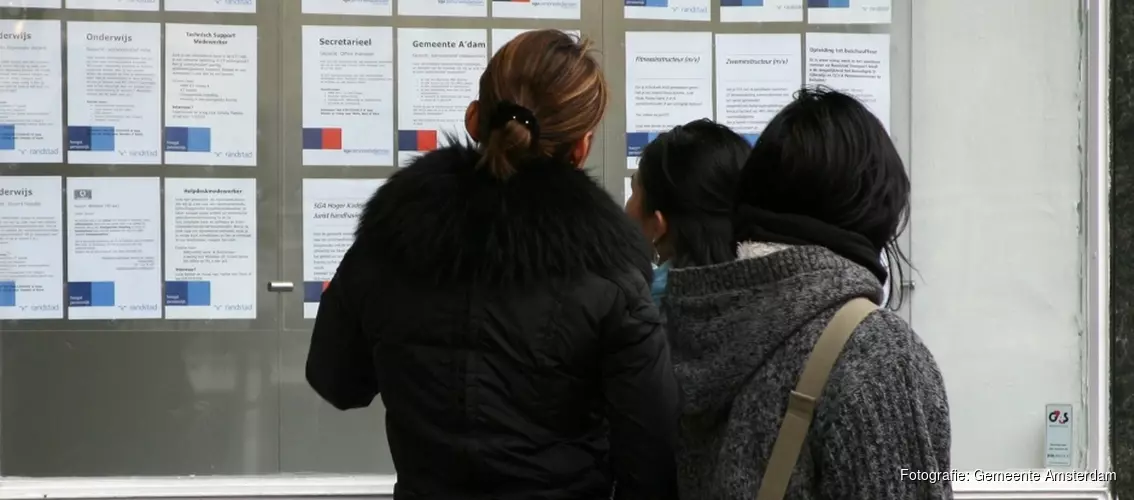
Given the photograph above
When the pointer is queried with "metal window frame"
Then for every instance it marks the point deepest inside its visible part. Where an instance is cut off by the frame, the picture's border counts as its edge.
(1097, 78)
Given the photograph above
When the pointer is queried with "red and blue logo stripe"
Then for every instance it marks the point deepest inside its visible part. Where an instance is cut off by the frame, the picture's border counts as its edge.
(417, 140)
(323, 139)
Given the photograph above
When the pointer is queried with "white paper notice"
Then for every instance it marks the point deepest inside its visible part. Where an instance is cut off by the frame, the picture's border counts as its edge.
(210, 95)
(502, 36)
(536, 9)
(848, 11)
(113, 4)
(31, 101)
(210, 248)
(672, 10)
(31, 248)
(330, 215)
(444, 8)
(32, 4)
(627, 190)
(761, 11)
(348, 95)
(113, 247)
(438, 76)
(858, 64)
(347, 7)
(669, 82)
(245, 6)
(756, 77)
(113, 93)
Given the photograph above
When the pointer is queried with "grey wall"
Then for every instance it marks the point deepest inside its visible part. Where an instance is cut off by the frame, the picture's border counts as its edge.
(1122, 246)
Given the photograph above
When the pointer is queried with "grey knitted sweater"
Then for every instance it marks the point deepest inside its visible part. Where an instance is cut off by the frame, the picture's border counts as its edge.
(740, 333)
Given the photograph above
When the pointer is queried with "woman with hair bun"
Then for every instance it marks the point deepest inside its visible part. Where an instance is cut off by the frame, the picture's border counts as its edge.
(498, 301)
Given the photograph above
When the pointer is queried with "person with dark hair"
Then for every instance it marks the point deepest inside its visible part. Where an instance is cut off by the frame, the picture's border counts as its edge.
(497, 299)
(682, 196)
(795, 383)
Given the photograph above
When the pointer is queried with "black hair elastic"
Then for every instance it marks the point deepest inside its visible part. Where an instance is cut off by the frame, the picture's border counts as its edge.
(507, 111)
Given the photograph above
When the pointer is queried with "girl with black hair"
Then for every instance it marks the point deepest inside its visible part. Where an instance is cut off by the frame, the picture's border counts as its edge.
(682, 196)
(822, 194)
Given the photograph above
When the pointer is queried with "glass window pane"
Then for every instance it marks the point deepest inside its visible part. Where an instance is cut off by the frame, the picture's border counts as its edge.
(997, 244)
(112, 396)
(139, 403)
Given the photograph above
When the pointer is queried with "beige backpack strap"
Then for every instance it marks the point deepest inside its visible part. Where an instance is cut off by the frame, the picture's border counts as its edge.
(803, 400)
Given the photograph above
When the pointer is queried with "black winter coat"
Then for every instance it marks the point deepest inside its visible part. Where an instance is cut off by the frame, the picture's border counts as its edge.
(508, 327)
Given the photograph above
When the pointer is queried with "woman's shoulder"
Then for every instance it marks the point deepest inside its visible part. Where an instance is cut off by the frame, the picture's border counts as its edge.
(885, 407)
(441, 218)
(885, 347)
(892, 328)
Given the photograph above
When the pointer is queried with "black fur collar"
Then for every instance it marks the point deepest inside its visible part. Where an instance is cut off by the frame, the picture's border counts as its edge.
(443, 220)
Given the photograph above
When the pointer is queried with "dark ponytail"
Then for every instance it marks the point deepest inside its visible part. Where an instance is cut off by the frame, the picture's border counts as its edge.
(512, 129)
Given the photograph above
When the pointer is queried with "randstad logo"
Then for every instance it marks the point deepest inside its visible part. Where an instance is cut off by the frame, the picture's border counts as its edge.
(234, 307)
(690, 10)
(140, 307)
(43, 151)
(1059, 417)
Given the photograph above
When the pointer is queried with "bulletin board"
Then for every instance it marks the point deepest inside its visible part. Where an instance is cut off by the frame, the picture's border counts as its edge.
(224, 394)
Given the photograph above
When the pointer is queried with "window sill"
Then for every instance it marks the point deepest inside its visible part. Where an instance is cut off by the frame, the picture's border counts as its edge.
(378, 486)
